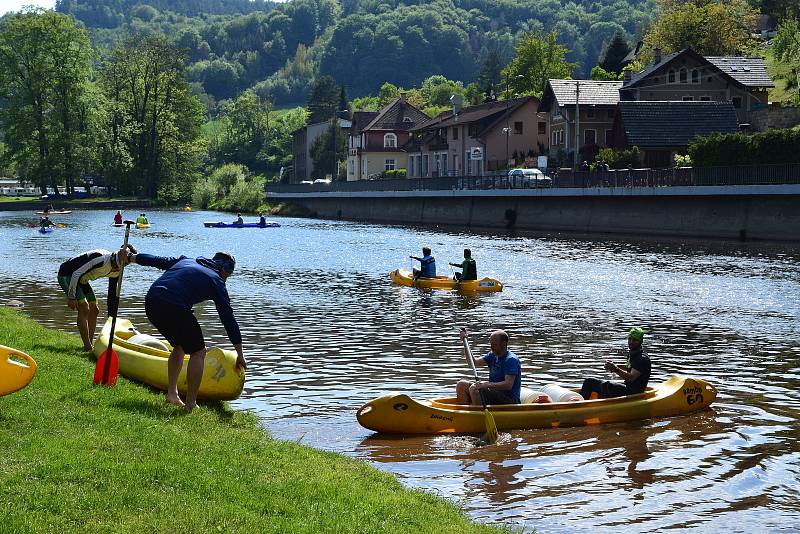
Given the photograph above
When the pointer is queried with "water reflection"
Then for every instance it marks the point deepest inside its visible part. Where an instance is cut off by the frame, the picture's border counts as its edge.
(325, 332)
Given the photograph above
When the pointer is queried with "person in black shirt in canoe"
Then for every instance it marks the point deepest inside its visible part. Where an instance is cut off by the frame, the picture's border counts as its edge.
(635, 373)
(469, 270)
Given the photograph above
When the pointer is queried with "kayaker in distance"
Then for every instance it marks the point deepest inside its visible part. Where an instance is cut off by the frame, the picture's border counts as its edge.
(239, 219)
(262, 219)
(45, 221)
(636, 372)
(168, 305)
(427, 264)
(142, 219)
(74, 276)
(505, 374)
(118, 217)
(469, 270)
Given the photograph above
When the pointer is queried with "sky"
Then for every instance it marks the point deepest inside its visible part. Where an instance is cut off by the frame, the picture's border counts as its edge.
(15, 5)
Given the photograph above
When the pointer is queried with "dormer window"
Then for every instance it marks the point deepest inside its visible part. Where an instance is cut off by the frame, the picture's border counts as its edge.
(406, 119)
(671, 76)
(683, 74)
(695, 76)
(389, 140)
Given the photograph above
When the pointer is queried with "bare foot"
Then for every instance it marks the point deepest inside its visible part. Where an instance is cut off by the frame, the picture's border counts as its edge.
(176, 401)
(190, 407)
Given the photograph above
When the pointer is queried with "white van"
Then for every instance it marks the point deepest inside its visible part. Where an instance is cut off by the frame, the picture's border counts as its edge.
(528, 178)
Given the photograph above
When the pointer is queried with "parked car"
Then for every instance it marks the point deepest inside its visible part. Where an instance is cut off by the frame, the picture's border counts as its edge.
(307, 182)
(324, 181)
(528, 178)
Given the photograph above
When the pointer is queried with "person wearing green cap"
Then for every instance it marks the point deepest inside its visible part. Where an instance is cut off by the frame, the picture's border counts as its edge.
(635, 373)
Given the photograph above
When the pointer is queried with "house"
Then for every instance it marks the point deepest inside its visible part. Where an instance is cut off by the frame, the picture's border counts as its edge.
(375, 140)
(662, 129)
(596, 105)
(688, 76)
(302, 141)
(471, 140)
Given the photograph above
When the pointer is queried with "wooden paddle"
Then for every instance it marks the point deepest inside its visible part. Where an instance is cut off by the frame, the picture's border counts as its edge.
(107, 368)
(491, 428)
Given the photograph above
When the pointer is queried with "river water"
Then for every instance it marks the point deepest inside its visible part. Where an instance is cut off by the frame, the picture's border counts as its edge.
(325, 331)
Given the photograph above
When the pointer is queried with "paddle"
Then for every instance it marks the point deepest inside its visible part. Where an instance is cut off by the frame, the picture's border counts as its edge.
(491, 428)
(107, 368)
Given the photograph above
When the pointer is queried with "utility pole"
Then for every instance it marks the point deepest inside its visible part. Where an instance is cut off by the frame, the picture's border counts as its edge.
(577, 122)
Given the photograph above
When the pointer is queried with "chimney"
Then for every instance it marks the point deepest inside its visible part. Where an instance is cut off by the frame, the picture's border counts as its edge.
(626, 76)
(402, 97)
(457, 101)
(656, 55)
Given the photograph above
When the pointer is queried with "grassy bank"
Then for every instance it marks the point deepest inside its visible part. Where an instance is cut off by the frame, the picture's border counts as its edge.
(80, 458)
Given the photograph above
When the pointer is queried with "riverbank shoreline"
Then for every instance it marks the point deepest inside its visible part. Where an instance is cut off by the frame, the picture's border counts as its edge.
(85, 458)
(75, 204)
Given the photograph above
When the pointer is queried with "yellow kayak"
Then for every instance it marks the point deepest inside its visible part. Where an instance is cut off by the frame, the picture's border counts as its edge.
(142, 225)
(405, 278)
(17, 369)
(146, 361)
(400, 414)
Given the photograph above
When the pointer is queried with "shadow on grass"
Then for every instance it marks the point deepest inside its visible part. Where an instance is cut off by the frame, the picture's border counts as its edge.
(163, 409)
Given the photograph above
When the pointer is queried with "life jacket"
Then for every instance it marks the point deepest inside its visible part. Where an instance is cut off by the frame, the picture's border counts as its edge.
(469, 270)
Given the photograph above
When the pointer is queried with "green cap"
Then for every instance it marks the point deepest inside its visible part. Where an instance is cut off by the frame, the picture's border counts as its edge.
(636, 333)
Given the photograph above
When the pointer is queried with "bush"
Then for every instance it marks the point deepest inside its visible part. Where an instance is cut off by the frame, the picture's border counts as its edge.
(719, 150)
(396, 174)
(245, 195)
(204, 193)
(620, 159)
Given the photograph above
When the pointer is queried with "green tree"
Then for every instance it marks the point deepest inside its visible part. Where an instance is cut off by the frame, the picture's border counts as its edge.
(536, 61)
(710, 28)
(48, 106)
(247, 131)
(323, 102)
(489, 74)
(599, 73)
(614, 53)
(786, 49)
(327, 151)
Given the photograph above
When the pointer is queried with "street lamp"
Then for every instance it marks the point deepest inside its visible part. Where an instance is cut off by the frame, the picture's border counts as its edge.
(507, 130)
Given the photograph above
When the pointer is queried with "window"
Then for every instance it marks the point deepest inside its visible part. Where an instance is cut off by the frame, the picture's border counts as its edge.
(352, 167)
(555, 138)
(455, 164)
(705, 99)
(472, 130)
(389, 140)
(407, 119)
(590, 113)
(671, 76)
(737, 102)
(589, 137)
(444, 164)
(687, 98)
(389, 165)
(542, 128)
(424, 170)
(411, 165)
(455, 133)
(609, 137)
(518, 128)
(682, 74)
(695, 76)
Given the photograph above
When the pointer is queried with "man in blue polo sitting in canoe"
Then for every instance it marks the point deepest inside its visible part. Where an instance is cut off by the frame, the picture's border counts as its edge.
(505, 375)
(427, 264)
(635, 373)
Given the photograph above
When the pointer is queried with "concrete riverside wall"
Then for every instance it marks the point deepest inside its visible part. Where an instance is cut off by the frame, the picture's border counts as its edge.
(768, 213)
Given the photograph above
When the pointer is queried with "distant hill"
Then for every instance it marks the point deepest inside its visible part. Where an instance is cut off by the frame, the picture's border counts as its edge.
(279, 48)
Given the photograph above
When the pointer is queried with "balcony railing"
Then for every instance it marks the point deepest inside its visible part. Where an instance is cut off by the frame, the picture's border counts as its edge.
(626, 178)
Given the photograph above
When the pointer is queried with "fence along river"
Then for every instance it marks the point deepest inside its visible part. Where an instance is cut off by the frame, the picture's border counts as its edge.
(324, 332)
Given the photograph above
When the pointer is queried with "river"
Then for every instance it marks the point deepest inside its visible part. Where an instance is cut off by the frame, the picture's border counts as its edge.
(325, 331)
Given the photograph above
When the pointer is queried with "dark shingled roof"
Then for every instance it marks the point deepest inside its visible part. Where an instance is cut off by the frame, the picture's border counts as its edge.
(474, 113)
(674, 124)
(749, 71)
(602, 93)
(393, 115)
(361, 119)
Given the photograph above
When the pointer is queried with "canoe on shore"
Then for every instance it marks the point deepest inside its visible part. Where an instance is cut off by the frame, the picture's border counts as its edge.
(268, 224)
(17, 369)
(400, 414)
(147, 363)
(406, 278)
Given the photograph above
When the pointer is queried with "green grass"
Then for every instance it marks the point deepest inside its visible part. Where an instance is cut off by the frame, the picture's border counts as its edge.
(779, 72)
(81, 458)
(4, 199)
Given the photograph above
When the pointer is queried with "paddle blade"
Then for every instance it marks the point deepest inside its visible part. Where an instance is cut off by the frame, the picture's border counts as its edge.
(491, 435)
(107, 368)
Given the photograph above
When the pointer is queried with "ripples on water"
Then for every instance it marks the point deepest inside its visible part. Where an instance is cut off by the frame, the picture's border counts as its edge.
(325, 332)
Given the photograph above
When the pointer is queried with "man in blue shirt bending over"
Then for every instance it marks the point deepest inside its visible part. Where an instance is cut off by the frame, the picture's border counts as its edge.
(427, 264)
(505, 375)
(168, 304)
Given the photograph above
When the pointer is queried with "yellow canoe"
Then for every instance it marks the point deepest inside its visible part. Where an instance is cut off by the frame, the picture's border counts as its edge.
(147, 364)
(400, 414)
(17, 369)
(405, 278)
(142, 225)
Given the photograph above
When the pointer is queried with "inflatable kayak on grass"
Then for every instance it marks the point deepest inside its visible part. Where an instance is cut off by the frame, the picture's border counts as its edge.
(268, 224)
(405, 278)
(400, 414)
(143, 358)
(17, 369)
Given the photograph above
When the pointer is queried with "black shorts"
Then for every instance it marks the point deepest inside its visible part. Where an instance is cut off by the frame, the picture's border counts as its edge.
(497, 396)
(178, 325)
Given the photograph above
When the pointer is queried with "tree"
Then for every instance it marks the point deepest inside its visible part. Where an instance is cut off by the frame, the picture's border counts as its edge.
(786, 49)
(489, 74)
(710, 28)
(49, 106)
(614, 53)
(536, 61)
(323, 156)
(247, 131)
(323, 102)
(599, 73)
